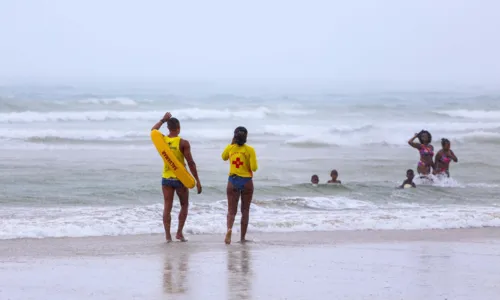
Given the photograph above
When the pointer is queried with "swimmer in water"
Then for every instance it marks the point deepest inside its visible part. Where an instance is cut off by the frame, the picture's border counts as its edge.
(426, 151)
(314, 180)
(409, 179)
(334, 174)
(443, 158)
(243, 163)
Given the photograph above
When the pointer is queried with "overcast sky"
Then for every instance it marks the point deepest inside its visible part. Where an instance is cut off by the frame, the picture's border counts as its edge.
(254, 41)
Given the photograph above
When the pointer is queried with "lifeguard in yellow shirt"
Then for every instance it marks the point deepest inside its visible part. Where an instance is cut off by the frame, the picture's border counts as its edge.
(242, 164)
(169, 182)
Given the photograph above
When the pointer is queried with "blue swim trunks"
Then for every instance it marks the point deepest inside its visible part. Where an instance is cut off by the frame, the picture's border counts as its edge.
(239, 182)
(172, 182)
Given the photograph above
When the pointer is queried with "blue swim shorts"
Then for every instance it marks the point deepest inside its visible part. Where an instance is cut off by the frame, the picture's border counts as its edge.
(172, 182)
(239, 182)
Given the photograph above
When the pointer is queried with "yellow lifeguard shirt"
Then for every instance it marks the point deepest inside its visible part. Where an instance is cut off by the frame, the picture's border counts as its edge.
(242, 160)
(174, 144)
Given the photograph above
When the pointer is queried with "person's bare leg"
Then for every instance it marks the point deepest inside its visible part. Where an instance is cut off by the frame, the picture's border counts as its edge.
(168, 199)
(233, 196)
(183, 194)
(246, 200)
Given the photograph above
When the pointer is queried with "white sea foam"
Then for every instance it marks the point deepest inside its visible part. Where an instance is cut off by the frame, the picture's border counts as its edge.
(76, 134)
(105, 115)
(48, 135)
(472, 114)
(480, 136)
(295, 135)
(110, 101)
(209, 219)
(16, 145)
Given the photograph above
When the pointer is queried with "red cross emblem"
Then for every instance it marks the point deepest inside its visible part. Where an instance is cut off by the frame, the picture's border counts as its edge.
(237, 163)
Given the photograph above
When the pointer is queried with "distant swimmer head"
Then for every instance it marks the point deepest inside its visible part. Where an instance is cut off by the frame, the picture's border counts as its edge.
(334, 174)
(410, 174)
(174, 125)
(445, 143)
(425, 137)
(240, 135)
(314, 179)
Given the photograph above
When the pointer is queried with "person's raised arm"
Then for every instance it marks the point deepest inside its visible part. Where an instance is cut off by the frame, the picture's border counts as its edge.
(412, 143)
(158, 124)
(186, 150)
(225, 153)
(253, 160)
(453, 157)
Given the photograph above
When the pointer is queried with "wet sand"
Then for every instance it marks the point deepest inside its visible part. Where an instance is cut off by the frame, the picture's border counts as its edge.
(424, 264)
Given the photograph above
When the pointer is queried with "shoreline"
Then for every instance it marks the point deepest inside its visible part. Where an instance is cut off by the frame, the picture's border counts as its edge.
(152, 243)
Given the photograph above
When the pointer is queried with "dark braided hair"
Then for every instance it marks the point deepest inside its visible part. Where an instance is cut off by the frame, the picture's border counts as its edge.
(420, 136)
(444, 141)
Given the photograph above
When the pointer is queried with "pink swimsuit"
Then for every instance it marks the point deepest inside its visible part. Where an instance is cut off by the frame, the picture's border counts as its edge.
(444, 160)
(425, 150)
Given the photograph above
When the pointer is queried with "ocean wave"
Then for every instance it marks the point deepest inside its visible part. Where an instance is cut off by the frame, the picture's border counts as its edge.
(106, 115)
(471, 114)
(368, 135)
(77, 104)
(69, 141)
(293, 136)
(211, 218)
(298, 130)
(9, 106)
(312, 136)
(39, 135)
(315, 203)
(103, 135)
(110, 101)
(354, 139)
(66, 145)
(485, 137)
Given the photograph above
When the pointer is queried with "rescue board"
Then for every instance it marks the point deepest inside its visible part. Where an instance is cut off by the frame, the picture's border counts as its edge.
(172, 162)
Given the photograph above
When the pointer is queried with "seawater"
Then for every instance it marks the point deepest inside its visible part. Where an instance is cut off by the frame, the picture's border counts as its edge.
(82, 164)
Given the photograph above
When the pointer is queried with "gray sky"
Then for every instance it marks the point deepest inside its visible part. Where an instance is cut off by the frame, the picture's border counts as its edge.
(254, 41)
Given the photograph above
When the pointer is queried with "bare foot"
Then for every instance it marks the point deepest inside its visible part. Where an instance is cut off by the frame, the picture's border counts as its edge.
(180, 237)
(227, 240)
(243, 241)
(168, 238)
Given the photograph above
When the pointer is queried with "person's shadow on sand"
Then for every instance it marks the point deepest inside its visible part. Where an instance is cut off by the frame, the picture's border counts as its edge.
(239, 264)
(175, 273)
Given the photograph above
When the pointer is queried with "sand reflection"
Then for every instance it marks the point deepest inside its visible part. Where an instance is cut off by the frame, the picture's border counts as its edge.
(175, 273)
(239, 265)
(434, 264)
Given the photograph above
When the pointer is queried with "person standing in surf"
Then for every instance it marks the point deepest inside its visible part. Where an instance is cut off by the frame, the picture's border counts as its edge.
(443, 158)
(169, 182)
(426, 151)
(243, 163)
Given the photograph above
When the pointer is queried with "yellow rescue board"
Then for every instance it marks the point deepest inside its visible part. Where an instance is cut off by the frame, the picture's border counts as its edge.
(169, 158)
